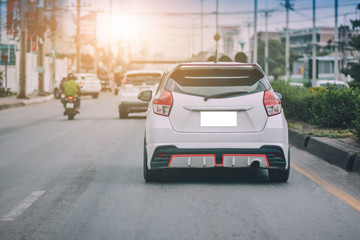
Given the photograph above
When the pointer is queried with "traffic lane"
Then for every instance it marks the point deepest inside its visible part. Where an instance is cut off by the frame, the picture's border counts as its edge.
(48, 149)
(203, 206)
(98, 196)
(119, 203)
(348, 182)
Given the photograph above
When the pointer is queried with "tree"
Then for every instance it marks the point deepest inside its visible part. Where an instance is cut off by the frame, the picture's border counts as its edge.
(354, 69)
(276, 59)
(241, 57)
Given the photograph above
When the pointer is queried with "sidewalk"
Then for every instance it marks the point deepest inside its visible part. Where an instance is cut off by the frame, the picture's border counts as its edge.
(13, 101)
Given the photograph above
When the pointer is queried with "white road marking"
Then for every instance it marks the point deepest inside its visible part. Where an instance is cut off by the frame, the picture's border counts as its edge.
(22, 206)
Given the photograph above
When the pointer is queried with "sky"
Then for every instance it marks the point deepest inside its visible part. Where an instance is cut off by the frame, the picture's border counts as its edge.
(172, 28)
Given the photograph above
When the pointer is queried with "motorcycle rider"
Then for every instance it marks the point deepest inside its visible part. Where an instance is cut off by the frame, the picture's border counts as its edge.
(71, 88)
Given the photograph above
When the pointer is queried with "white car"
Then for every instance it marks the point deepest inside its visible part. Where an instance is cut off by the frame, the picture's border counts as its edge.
(215, 115)
(132, 84)
(89, 83)
(326, 83)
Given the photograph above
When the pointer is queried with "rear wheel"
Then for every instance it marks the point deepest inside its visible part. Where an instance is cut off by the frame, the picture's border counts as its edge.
(279, 175)
(70, 115)
(95, 95)
(149, 175)
(57, 93)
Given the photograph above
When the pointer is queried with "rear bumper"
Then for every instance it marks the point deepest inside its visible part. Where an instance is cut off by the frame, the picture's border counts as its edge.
(134, 107)
(271, 157)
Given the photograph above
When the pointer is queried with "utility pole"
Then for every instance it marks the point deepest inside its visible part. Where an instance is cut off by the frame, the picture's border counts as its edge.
(249, 36)
(288, 7)
(202, 25)
(314, 46)
(109, 44)
(217, 36)
(53, 48)
(193, 37)
(22, 90)
(78, 45)
(40, 57)
(266, 13)
(96, 50)
(255, 33)
(336, 39)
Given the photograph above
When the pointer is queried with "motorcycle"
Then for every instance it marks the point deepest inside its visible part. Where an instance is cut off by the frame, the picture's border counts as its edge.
(70, 104)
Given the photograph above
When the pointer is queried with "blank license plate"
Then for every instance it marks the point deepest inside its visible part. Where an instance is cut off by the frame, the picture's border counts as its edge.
(218, 119)
(69, 105)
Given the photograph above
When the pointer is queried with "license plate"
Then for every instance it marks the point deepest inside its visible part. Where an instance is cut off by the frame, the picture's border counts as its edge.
(69, 105)
(218, 119)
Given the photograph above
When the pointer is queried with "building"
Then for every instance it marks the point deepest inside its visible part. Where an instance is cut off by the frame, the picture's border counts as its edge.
(301, 39)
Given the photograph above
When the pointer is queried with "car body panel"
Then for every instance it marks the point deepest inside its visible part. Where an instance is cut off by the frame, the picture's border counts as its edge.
(128, 93)
(89, 83)
(182, 140)
(192, 113)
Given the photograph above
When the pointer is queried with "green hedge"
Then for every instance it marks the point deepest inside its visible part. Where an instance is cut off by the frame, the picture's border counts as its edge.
(335, 108)
(296, 101)
(326, 108)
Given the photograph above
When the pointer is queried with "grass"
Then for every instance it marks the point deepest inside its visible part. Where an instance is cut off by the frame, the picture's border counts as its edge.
(308, 129)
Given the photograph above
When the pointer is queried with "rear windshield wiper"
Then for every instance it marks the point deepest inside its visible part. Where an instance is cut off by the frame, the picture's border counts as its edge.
(222, 95)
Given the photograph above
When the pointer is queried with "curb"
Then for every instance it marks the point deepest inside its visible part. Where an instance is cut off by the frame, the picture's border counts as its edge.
(38, 100)
(11, 105)
(332, 151)
(356, 166)
(20, 103)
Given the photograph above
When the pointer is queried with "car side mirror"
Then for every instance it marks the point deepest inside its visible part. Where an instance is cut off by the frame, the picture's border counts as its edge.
(279, 95)
(145, 96)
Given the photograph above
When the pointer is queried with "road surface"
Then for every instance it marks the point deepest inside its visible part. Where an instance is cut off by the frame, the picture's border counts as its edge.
(82, 180)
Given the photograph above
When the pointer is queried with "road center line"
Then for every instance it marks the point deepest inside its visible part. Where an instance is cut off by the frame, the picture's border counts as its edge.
(332, 189)
(22, 206)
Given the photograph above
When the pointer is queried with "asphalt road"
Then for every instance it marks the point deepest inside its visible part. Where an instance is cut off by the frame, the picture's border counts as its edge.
(82, 180)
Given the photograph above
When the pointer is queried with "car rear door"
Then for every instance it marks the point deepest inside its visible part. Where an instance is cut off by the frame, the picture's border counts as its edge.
(235, 114)
(243, 111)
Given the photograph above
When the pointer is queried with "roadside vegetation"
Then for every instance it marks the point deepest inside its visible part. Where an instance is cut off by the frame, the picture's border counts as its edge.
(328, 112)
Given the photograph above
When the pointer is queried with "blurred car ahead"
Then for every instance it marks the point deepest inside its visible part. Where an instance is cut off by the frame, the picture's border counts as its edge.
(215, 115)
(106, 83)
(296, 84)
(89, 83)
(326, 83)
(132, 84)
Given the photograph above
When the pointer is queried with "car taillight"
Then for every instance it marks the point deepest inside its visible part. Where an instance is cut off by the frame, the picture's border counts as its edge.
(272, 103)
(163, 104)
(123, 83)
(70, 97)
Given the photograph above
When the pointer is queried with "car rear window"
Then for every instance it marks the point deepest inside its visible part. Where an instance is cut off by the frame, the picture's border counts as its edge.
(203, 82)
(90, 78)
(140, 78)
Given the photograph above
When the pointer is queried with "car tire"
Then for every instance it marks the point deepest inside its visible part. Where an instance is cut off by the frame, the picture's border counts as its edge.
(57, 93)
(149, 175)
(279, 175)
(70, 116)
(95, 95)
(123, 113)
(116, 91)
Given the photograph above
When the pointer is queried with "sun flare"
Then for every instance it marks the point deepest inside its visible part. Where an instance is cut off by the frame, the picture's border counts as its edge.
(123, 27)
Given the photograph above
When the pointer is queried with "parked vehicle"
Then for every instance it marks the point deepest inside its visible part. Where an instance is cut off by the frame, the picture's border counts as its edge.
(57, 88)
(215, 115)
(89, 83)
(118, 77)
(132, 84)
(70, 105)
(326, 83)
(106, 83)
